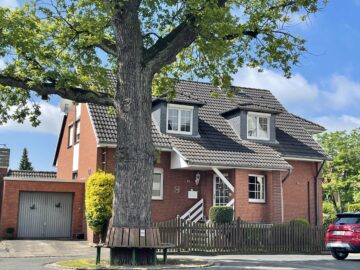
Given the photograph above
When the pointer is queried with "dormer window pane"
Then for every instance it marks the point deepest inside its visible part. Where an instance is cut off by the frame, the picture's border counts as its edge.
(185, 120)
(173, 119)
(258, 126)
(179, 119)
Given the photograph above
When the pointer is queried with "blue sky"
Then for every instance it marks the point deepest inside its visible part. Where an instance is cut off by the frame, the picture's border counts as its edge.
(325, 88)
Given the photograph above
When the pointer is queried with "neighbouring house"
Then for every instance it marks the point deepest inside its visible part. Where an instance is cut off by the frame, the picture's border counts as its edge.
(246, 151)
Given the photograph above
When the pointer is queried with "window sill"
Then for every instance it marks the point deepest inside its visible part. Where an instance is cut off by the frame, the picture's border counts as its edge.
(157, 199)
(179, 132)
(256, 201)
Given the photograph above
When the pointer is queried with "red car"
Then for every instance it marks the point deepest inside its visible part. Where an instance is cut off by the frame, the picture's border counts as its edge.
(343, 237)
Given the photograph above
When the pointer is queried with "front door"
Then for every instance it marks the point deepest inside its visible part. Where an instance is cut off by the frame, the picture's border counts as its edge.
(221, 191)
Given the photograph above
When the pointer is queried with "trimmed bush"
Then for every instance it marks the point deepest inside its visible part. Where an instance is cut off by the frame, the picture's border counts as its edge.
(354, 207)
(299, 221)
(98, 199)
(221, 214)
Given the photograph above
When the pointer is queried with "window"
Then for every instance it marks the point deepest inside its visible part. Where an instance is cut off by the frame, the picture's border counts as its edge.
(157, 189)
(179, 119)
(74, 175)
(77, 131)
(71, 136)
(258, 126)
(256, 188)
(221, 191)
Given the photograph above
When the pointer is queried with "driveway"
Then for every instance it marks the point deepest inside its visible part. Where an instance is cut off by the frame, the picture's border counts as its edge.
(34, 255)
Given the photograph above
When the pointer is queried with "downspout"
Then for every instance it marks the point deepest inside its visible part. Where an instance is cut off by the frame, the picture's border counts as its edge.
(282, 193)
(316, 212)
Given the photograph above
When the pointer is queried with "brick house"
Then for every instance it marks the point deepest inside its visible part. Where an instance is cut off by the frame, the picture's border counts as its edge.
(247, 152)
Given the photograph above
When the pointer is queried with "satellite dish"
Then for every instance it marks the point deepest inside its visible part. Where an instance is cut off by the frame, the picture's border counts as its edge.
(66, 105)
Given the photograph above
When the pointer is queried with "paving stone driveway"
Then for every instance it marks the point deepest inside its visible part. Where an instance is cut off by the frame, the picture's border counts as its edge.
(45, 248)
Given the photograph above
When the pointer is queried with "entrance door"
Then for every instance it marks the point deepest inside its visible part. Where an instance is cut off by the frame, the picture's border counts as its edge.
(221, 191)
(45, 215)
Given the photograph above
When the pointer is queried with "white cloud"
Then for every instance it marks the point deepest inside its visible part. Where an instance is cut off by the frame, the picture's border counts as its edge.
(296, 89)
(12, 4)
(51, 119)
(342, 93)
(342, 122)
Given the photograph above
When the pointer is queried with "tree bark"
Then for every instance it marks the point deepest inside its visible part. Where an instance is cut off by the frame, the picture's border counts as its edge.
(135, 151)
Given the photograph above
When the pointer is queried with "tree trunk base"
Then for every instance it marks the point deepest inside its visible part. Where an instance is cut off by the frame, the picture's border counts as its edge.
(132, 256)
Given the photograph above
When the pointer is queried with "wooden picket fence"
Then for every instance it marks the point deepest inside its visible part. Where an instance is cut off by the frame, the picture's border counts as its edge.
(241, 237)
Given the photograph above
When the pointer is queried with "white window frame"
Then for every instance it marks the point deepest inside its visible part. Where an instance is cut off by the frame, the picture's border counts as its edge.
(214, 187)
(263, 186)
(262, 115)
(71, 138)
(161, 172)
(180, 108)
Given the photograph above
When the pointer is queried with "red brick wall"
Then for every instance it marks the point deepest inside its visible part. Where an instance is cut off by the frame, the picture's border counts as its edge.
(87, 148)
(10, 205)
(65, 156)
(3, 172)
(296, 194)
(257, 212)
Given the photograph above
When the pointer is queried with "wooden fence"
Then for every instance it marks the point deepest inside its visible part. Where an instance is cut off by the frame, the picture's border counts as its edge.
(241, 237)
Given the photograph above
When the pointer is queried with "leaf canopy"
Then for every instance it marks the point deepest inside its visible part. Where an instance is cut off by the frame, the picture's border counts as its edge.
(67, 47)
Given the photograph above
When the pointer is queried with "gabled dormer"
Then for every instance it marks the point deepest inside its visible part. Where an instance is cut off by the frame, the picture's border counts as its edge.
(252, 121)
(177, 116)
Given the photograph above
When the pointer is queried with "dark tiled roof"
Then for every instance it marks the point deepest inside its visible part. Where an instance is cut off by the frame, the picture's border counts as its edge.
(310, 126)
(182, 98)
(218, 144)
(31, 174)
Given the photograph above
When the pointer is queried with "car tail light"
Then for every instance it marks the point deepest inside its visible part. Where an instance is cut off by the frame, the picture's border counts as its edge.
(355, 229)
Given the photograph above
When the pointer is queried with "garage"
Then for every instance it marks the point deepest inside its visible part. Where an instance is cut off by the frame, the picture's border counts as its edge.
(45, 215)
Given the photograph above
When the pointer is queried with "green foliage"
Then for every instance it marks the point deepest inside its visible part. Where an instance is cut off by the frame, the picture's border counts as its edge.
(299, 221)
(25, 164)
(329, 213)
(355, 207)
(98, 199)
(65, 44)
(342, 173)
(221, 214)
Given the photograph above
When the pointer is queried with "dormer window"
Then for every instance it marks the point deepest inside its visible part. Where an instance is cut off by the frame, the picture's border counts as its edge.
(258, 126)
(179, 119)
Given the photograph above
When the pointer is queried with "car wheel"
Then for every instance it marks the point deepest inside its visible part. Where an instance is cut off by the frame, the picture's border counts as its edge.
(339, 255)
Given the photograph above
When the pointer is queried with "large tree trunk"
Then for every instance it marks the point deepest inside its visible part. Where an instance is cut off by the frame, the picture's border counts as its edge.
(135, 151)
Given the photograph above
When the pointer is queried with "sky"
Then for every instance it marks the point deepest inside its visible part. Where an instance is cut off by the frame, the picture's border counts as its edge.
(324, 88)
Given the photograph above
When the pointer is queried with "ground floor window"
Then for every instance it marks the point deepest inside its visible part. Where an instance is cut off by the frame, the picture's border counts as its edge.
(221, 191)
(257, 188)
(157, 189)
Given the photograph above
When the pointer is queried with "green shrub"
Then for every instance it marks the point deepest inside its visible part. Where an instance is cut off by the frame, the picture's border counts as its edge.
(329, 213)
(354, 207)
(299, 221)
(98, 199)
(221, 214)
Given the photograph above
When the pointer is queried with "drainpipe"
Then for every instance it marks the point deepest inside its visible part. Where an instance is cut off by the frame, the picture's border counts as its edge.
(316, 193)
(282, 193)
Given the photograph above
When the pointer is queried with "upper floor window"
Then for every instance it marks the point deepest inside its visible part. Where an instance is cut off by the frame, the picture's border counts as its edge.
(258, 126)
(71, 136)
(179, 119)
(157, 189)
(257, 188)
(77, 131)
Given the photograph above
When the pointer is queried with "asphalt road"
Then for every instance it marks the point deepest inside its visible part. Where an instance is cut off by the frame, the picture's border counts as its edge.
(246, 262)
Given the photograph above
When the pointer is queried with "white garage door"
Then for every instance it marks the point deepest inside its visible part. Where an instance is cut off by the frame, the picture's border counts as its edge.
(45, 215)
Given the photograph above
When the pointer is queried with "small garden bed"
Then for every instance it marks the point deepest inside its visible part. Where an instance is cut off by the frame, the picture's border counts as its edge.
(172, 263)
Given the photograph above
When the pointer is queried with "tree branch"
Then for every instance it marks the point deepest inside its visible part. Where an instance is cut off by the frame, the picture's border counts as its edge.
(76, 94)
(107, 46)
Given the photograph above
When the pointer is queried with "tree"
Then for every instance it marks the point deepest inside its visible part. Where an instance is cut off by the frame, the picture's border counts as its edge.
(98, 200)
(66, 48)
(25, 164)
(342, 173)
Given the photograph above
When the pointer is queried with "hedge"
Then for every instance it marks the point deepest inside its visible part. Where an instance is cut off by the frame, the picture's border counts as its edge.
(299, 221)
(221, 214)
(98, 199)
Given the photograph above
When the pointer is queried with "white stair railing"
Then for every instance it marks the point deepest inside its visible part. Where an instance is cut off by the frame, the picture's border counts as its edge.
(195, 213)
(231, 203)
